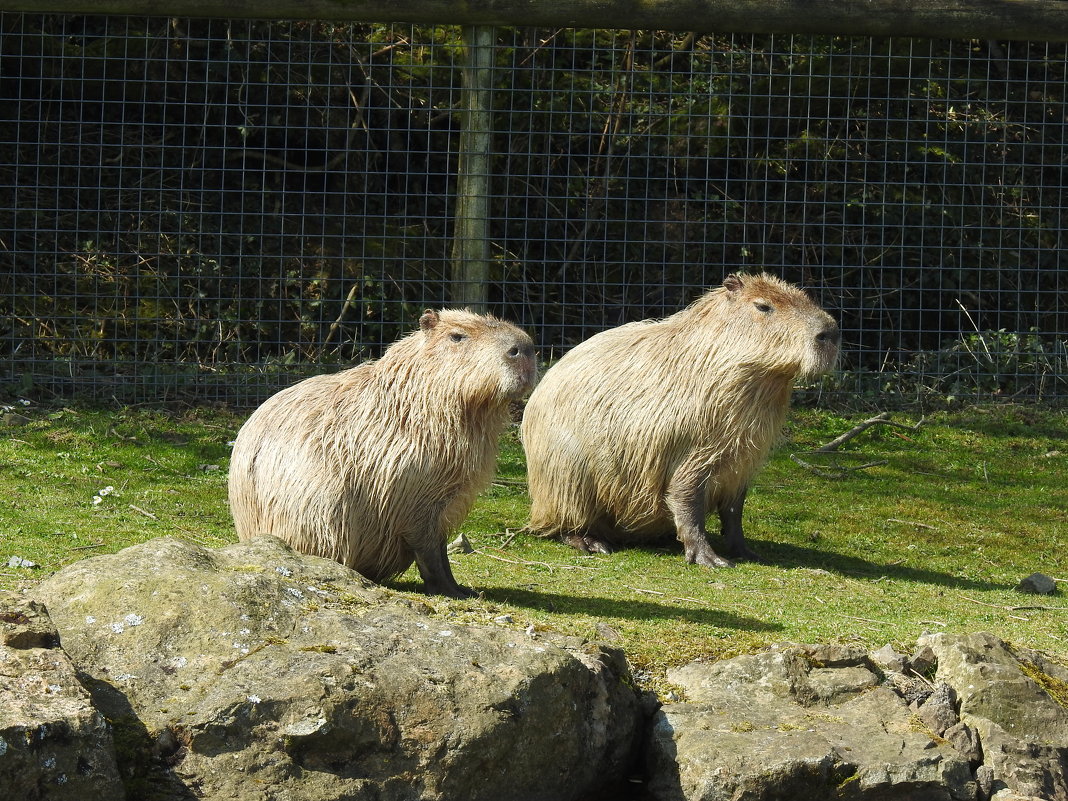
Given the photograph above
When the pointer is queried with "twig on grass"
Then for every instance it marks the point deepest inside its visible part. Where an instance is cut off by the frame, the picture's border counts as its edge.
(548, 565)
(841, 471)
(865, 620)
(144, 512)
(911, 523)
(664, 595)
(1022, 608)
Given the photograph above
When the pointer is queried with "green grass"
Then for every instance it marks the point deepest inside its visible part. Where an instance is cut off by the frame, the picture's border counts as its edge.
(934, 539)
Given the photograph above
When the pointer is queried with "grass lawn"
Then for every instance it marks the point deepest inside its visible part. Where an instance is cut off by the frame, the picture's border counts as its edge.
(934, 535)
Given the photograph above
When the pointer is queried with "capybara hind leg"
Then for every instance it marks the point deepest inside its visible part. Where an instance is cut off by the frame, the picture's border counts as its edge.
(686, 501)
(433, 564)
(586, 543)
(730, 526)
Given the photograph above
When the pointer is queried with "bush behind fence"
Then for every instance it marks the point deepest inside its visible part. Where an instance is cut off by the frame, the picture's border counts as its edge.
(210, 209)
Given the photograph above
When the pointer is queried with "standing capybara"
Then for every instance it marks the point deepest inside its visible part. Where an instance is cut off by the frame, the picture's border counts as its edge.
(373, 466)
(641, 430)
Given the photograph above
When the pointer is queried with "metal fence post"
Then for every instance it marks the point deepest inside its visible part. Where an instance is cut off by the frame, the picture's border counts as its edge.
(471, 246)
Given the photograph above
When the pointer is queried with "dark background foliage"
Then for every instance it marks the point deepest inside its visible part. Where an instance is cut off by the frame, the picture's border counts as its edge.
(211, 209)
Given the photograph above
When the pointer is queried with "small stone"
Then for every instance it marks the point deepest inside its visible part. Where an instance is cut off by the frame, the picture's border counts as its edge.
(966, 740)
(607, 633)
(1037, 584)
(889, 660)
(832, 656)
(923, 662)
(460, 545)
(984, 777)
(939, 712)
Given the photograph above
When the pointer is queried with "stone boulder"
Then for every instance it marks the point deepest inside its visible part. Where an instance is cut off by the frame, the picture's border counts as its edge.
(255, 673)
(1015, 699)
(53, 743)
(797, 722)
(966, 717)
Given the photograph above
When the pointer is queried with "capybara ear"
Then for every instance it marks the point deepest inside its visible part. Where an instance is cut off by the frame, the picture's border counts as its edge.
(733, 283)
(429, 319)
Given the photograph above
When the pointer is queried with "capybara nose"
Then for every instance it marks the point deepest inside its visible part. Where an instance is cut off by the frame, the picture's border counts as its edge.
(521, 350)
(832, 335)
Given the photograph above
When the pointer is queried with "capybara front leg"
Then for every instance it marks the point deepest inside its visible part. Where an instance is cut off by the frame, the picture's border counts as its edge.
(433, 564)
(686, 501)
(730, 526)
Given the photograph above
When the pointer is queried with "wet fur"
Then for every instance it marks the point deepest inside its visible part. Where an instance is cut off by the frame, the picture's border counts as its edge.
(630, 418)
(375, 465)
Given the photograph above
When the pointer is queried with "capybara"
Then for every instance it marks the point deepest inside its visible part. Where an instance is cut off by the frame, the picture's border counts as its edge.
(639, 432)
(375, 465)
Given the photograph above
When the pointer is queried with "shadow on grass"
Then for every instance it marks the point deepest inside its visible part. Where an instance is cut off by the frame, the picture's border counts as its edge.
(602, 607)
(779, 554)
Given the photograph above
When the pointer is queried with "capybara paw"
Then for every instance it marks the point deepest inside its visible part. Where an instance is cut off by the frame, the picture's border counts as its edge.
(708, 558)
(744, 554)
(449, 590)
(586, 543)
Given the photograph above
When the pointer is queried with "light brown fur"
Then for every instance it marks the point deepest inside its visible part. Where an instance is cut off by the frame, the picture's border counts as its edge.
(375, 465)
(640, 431)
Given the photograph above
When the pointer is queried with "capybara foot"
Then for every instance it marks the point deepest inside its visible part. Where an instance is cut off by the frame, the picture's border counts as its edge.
(449, 590)
(707, 557)
(743, 554)
(586, 543)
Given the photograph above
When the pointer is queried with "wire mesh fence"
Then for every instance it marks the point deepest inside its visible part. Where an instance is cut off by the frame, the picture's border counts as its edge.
(209, 210)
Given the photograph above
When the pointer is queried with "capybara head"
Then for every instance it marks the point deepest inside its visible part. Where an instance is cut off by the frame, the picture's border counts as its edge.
(772, 325)
(488, 359)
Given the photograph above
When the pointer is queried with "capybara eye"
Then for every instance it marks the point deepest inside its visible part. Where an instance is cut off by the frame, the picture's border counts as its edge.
(761, 306)
(456, 336)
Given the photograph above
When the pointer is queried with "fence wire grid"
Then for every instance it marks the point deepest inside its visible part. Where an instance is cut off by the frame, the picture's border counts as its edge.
(209, 210)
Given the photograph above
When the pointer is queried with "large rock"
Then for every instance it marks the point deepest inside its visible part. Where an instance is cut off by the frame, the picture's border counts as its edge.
(797, 722)
(1015, 699)
(966, 717)
(53, 743)
(255, 673)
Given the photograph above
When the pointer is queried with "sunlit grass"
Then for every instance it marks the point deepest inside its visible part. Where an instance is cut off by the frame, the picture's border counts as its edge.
(935, 538)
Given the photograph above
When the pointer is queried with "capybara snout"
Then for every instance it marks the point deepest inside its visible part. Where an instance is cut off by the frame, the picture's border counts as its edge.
(642, 430)
(375, 465)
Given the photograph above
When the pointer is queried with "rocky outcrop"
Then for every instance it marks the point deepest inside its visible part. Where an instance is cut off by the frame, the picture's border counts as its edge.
(255, 673)
(1015, 700)
(966, 718)
(53, 743)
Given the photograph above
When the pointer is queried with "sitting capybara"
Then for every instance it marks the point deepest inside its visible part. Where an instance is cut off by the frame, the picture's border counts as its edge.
(373, 466)
(640, 431)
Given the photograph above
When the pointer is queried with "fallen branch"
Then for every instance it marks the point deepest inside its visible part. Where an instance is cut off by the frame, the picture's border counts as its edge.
(664, 595)
(144, 512)
(1026, 608)
(879, 419)
(911, 523)
(865, 620)
(839, 472)
(548, 565)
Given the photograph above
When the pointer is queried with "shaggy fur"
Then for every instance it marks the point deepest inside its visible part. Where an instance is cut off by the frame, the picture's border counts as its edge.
(375, 465)
(640, 431)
